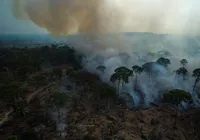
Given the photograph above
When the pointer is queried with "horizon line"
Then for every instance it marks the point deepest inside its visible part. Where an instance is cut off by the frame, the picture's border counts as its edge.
(52, 35)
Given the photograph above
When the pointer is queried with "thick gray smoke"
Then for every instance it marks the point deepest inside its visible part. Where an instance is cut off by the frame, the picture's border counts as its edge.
(139, 49)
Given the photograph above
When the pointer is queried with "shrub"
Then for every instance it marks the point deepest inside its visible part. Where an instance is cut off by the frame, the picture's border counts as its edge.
(12, 138)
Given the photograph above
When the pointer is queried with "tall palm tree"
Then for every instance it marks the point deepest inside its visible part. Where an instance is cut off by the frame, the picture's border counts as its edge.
(137, 70)
(196, 73)
(121, 75)
(182, 72)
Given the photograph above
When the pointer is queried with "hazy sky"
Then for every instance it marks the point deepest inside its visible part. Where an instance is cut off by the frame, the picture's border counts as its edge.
(77, 16)
(10, 25)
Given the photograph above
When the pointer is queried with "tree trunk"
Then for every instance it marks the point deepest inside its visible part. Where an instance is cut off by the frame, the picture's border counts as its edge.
(176, 116)
(175, 121)
(108, 104)
(117, 91)
(108, 107)
(59, 119)
(59, 116)
(136, 82)
(118, 87)
(195, 83)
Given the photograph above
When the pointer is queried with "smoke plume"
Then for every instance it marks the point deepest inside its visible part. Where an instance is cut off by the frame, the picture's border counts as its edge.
(61, 17)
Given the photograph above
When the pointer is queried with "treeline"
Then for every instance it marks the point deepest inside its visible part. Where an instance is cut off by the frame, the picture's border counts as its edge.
(122, 76)
(18, 63)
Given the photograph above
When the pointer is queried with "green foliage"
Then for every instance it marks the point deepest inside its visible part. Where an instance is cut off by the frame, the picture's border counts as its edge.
(114, 77)
(121, 73)
(11, 91)
(12, 138)
(196, 73)
(21, 61)
(14, 95)
(137, 69)
(182, 71)
(176, 96)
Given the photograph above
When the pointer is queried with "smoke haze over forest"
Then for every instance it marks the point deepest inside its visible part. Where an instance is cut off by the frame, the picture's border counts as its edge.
(62, 17)
(65, 17)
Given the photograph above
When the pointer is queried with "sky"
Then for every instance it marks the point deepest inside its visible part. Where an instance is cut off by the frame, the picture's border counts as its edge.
(62, 17)
(10, 25)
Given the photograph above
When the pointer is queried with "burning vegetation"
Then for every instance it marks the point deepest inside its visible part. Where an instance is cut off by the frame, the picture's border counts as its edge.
(56, 97)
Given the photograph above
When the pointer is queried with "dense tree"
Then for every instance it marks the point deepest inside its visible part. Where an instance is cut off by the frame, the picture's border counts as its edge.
(182, 72)
(137, 70)
(19, 62)
(153, 69)
(121, 75)
(175, 97)
(12, 137)
(14, 95)
(163, 61)
(196, 74)
(11, 91)
(183, 62)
